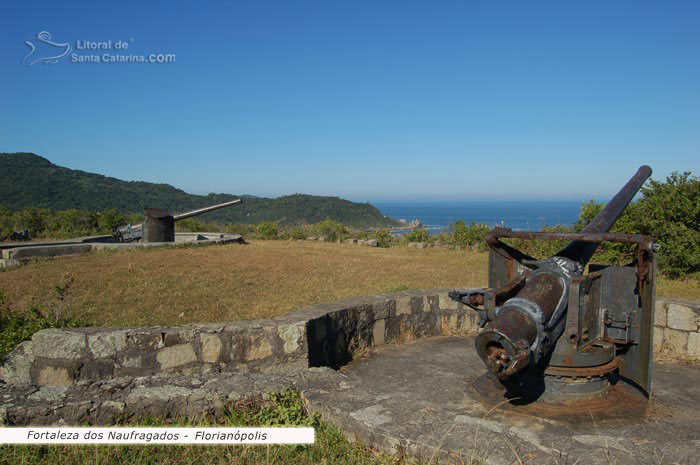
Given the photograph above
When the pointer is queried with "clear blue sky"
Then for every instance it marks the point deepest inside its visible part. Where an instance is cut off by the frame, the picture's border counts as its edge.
(368, 100)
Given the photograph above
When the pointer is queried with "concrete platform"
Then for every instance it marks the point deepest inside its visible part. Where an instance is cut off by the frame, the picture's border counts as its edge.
(419, 399)
(15, 254)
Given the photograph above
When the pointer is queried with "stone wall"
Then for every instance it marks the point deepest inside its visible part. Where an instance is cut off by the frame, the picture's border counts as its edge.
(677, 328)
(323, 335)
(98, 375)
(326, 335)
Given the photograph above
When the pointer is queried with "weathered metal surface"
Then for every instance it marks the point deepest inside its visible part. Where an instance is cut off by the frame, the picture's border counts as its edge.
(605, 316)
(582, 319)
(159, 226)
(569, 390)
(135, 232)
(620, 402)
(499, 232)
(566, 355)
(583, 371)
(637, 357)
(204, 210)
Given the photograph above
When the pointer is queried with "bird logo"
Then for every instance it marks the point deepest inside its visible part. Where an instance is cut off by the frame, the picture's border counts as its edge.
(43, 50)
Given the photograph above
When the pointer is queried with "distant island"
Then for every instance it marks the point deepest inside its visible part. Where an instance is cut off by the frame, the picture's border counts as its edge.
(33, 181)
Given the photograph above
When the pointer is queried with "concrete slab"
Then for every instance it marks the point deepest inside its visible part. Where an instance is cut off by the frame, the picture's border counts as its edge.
(15, 254)
(46, 251)
(419, 399)
(75, 240)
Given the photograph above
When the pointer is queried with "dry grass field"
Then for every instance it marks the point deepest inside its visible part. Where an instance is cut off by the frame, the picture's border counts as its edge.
(234, 282)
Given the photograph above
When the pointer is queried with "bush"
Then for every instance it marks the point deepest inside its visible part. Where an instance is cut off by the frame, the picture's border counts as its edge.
(268, 230)
(384, 238)
(473, 235)
(297, 234)
(109, 220)
(73, 223)
(285, 408)
(7, 222)
(610, 252)
(17, 327)
(668, 211)
(33, 219)
(331, 230)
(417, 235)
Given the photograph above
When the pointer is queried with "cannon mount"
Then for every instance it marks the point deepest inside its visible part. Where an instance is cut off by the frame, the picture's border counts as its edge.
(554, 331)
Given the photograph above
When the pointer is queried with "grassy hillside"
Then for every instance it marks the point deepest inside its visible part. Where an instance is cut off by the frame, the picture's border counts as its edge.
(33, 181)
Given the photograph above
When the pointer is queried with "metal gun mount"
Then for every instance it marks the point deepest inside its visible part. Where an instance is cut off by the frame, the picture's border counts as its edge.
(159, 225)
(554, 334)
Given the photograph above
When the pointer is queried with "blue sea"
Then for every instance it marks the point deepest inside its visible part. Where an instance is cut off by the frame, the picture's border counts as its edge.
(517, 215)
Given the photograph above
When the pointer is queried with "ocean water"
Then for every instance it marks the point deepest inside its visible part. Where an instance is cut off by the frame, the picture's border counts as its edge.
(517, 215)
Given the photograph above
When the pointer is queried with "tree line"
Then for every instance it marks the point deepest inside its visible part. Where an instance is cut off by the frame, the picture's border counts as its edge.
(668, 211)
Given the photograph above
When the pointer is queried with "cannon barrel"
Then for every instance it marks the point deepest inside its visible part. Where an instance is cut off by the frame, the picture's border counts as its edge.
(581, 251)
(135, 232)
(201, 211)
(525, 328)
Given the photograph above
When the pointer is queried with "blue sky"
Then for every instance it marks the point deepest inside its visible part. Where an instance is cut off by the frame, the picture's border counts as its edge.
(366, 100)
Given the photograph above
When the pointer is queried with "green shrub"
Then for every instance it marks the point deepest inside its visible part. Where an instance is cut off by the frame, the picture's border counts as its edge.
(417, 235)
(7, 222)
(296, 234)
(268, 230)
(285, 409)
(668, 211)
(473, 235)
(33, 219)
(610, 252)
(17, 327)
(384, 238)
(109, 220)
(331, 230)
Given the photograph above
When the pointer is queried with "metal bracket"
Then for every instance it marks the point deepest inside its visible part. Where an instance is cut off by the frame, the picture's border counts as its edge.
(474, 298)
(620, 331)
(488, 298)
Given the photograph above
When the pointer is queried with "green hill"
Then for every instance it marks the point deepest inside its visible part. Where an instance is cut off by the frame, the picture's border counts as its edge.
(29, 180)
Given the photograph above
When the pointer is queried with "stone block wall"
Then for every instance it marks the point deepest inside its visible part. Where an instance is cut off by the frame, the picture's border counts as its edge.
(328, 334)
(322, 335)
(677, 328)
(61, 357)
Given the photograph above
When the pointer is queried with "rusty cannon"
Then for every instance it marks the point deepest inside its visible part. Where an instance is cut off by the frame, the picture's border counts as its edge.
(554, 331)
(159, 225)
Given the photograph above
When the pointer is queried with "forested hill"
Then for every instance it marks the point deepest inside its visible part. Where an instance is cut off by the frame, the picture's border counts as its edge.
(29, 180)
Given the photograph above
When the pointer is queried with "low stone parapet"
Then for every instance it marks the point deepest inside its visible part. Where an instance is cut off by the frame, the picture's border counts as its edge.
(323, 335)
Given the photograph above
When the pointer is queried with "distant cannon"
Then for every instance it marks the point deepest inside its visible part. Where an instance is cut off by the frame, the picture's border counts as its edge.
(159, 225)
(553, 333)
